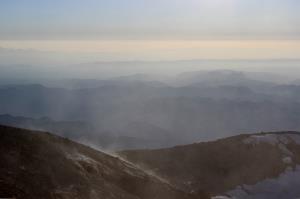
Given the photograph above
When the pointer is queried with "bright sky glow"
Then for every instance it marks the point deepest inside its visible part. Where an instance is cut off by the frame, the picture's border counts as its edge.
(145, 19)
(154, 29)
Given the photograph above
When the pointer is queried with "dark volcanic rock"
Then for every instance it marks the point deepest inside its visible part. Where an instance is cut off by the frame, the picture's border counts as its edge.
(223, 165)
(40, 165)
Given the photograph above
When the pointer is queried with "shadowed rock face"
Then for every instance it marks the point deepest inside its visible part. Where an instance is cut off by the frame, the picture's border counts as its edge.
(224, 166)
(40, 165)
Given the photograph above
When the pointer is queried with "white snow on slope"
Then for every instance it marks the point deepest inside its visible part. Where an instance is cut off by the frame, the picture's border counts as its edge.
(280, 140)
(286, 186)
(221, 197)
(80, 157)
(273, 139)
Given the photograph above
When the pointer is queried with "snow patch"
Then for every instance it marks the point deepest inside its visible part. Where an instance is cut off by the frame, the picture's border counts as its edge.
(221, 197)
(276, 140)
(273, 139)
(80, 157)
(258, 139)
(287, 160)
(285, 186)
(295, 138)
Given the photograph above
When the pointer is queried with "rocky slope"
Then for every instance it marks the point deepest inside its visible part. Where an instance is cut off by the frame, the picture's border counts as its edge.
(41, 165)
(257, 166)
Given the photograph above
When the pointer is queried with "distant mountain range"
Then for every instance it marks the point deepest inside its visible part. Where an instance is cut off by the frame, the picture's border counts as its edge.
(203, 106)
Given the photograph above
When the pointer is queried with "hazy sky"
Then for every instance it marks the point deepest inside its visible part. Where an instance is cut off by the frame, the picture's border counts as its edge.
(154, 19)
(153, 29)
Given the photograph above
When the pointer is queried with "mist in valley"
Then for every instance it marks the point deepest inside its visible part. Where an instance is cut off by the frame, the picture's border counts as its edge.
(139, 99)
(148, 110)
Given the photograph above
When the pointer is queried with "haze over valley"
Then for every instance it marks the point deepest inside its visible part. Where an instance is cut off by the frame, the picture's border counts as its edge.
(139, 99)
